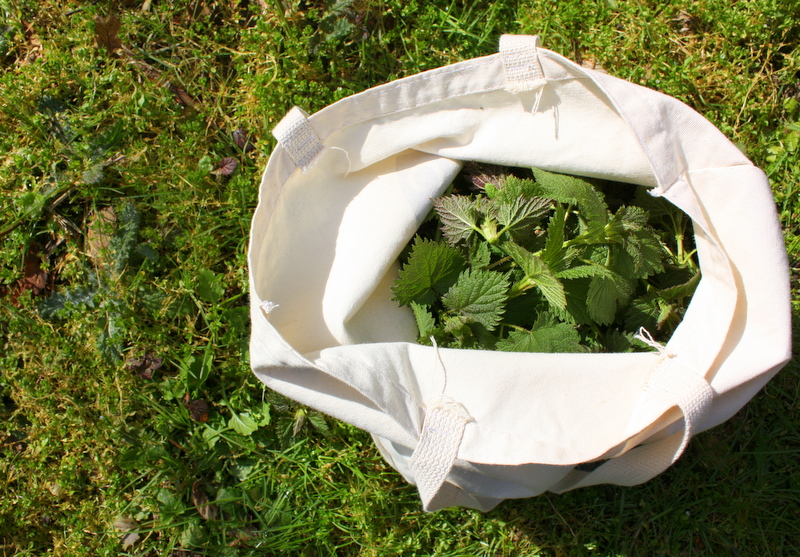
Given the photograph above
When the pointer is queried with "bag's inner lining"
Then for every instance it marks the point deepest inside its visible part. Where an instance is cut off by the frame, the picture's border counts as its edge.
(328, 255)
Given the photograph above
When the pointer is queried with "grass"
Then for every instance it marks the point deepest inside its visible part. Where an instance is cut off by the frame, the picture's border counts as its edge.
(130, 423)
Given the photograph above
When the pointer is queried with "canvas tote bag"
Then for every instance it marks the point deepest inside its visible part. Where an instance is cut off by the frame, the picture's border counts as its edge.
(346, 189)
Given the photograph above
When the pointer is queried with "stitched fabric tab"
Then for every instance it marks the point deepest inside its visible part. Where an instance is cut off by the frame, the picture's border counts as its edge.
(521, 62)
(298, 137)
(681, 385)
(436, 452)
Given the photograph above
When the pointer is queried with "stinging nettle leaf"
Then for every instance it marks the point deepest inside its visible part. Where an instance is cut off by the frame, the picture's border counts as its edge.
(545, 336)
(431, 267)
(538, 273)
(584, 271)
(459, 215)
(480, 255)
(646, 251)
(513, 188)
(633, 217)
(605, 296)
(572, 190)
(521, 215)
(479, 296)
(425, 321)
(554, 253)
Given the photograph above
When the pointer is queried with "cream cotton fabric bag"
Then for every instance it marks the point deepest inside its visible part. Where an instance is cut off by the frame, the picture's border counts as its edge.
(347, 188)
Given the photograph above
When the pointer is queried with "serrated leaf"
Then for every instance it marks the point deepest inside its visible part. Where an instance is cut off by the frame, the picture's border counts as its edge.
(94, 174)
(317, 420)
(574, 190)
(605, 296)
(545, 336)
(484, 176)
(480, 255)
(513, 188)
(681, 291)
(242, 423)
(618, 341)
(520, 216)
(479, 296)
(459, 216)
(633, 217)
(641, 255)
(538, 273)
(454, 325)
(554, 253)
(425, 321)
(124, 241)
(576, 312)
(432, 268)
(584, 271)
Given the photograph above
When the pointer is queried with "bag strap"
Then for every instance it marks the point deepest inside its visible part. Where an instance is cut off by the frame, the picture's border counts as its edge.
(523, 70)
(296, 134)
(436, 452)
(673, 383)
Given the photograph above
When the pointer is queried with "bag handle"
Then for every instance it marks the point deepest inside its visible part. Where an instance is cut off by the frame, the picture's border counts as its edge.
(296, 134)
(523, 70)
(671, 382)
(436, 453)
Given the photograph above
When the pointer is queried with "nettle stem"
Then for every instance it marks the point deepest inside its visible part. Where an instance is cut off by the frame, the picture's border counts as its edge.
(489, 231)
(520, 287)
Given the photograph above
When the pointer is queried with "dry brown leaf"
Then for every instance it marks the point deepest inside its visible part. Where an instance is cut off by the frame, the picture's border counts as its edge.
(56, 490)
(200, 499)
(36, 50)
(35, 277)
(125, 523)
(106, 33)
(242, 139)
(226, 167)
(100, 232)
(593, 65)
(144, 365)
(198, 409)
(182, 96)
(129, 539)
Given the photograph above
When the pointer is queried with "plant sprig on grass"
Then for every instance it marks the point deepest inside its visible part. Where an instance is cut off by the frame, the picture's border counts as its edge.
(544, 265)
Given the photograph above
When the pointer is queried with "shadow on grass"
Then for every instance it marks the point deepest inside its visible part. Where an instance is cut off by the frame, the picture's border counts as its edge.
(735, 491)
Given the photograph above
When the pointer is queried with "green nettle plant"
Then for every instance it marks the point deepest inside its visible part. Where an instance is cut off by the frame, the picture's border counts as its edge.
(541, 262)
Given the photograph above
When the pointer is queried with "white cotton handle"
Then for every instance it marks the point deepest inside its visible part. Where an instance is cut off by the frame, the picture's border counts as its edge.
(672, 382)
(436, 452)
(296, 134)
(523, 70)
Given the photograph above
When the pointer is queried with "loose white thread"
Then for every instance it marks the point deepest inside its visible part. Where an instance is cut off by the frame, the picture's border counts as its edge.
(644, 335)
(537, 100)
(267, 307)
(444, 402)
(438, 367)
(347, 156)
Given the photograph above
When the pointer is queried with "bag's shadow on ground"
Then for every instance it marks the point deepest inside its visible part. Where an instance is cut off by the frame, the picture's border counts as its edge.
(736, 479)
